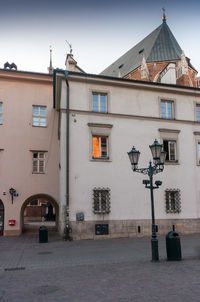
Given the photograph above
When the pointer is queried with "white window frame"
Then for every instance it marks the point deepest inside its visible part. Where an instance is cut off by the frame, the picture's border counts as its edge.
(197, 143)
(99, 91)
(166, 101)
(39, 116)
(100, 130)
(99, 101)
(198, 153)
(171, 135)
(38, 160)
(175, 152)
(197, 105)
(101, 156)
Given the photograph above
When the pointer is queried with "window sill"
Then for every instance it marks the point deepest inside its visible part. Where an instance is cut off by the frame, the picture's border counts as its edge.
(100, 112)
(40, 173)
(101, 159)
(39, 126)
(172, 162)
(101, 213)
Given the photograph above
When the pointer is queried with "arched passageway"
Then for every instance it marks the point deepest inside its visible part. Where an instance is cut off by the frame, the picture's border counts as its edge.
(37, 210)
(1, 218)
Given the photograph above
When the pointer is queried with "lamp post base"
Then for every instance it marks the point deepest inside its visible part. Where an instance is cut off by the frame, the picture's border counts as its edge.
(154, 248)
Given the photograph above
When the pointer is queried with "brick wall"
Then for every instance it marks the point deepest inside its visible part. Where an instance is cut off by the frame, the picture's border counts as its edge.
(156, 67)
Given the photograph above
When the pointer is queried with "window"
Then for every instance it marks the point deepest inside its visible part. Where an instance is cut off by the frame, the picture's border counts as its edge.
(167, 110)
(38, 162)
(101, 200)
(170, 148)
(34, 203)
(198, 112)
(173, 201)
(100, 142)
(99, 102)
(0, 113)
(39, 116)
(198, 153)
(100, 147)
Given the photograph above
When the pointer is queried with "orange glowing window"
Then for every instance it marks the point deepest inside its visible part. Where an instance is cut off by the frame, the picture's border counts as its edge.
(99, 147)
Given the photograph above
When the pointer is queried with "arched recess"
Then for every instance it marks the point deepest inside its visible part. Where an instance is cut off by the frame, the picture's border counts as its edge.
(39, 196)
(1, 217)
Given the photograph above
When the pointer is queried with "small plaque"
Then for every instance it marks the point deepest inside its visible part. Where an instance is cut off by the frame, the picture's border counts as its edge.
(79, 217)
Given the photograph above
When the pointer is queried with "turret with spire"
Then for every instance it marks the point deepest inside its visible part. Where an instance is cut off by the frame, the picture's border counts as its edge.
(50, 68)
(70, 62)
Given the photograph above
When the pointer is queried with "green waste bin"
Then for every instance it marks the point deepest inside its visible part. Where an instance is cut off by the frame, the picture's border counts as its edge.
(43, 234)
(173, 246)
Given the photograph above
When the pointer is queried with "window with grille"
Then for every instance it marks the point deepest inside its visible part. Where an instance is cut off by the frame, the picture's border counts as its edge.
(38, 162)
(100, 147)
(173, 201)
(39, 116)
(167, 109)
(99, 102)
(169, 146)
(101, 201)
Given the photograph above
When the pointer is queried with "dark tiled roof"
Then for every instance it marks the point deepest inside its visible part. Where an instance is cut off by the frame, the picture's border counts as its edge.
(158, 46)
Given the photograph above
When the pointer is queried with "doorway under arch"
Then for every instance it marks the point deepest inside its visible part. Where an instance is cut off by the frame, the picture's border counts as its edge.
(1, 218)
(37, 210)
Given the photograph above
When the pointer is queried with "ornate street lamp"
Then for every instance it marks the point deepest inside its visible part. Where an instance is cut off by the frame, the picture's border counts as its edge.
(159, 157)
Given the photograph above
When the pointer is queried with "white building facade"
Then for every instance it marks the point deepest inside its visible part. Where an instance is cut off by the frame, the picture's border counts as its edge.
(100, 119)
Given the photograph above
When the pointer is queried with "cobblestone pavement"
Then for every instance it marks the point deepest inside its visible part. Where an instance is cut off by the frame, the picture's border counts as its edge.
(113, 270)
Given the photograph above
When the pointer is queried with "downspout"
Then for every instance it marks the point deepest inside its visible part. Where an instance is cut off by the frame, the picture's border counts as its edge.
(67, 227)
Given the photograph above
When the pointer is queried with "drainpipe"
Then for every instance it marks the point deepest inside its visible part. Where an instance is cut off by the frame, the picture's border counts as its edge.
(67, 227)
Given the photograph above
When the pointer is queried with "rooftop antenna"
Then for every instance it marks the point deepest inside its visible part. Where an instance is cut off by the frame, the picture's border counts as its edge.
(70, 47)
(164, 15)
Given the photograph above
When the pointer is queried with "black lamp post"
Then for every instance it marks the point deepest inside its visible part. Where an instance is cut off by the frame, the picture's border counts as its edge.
(157, 166)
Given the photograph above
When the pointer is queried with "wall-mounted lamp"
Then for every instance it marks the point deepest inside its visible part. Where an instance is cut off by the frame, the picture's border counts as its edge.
(13, 193)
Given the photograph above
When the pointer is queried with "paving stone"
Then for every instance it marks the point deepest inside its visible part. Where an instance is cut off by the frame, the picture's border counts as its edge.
(114, 270)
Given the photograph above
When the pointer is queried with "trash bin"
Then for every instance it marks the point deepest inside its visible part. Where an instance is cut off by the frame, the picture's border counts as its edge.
(43, 234)
(173, 246)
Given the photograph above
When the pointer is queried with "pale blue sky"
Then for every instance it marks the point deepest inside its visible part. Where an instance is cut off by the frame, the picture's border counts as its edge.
(99, 31)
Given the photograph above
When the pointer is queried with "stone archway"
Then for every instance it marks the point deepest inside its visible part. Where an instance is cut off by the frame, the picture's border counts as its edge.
(50, 201)
(1, 218)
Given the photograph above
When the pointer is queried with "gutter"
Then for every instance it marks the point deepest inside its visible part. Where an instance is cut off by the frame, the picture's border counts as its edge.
(67, 227)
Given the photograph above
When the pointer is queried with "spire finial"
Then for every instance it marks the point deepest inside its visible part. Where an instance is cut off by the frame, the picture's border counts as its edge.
(50, 50)
(164, 15)
(50, 68)
(70, 47)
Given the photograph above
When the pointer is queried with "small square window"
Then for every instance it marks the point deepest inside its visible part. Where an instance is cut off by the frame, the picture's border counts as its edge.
(167, 109)
(101, 201)
(173, 201)
(39, 162)
(39, 116)
(99, 102)
(100, 147)
(169, 146)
